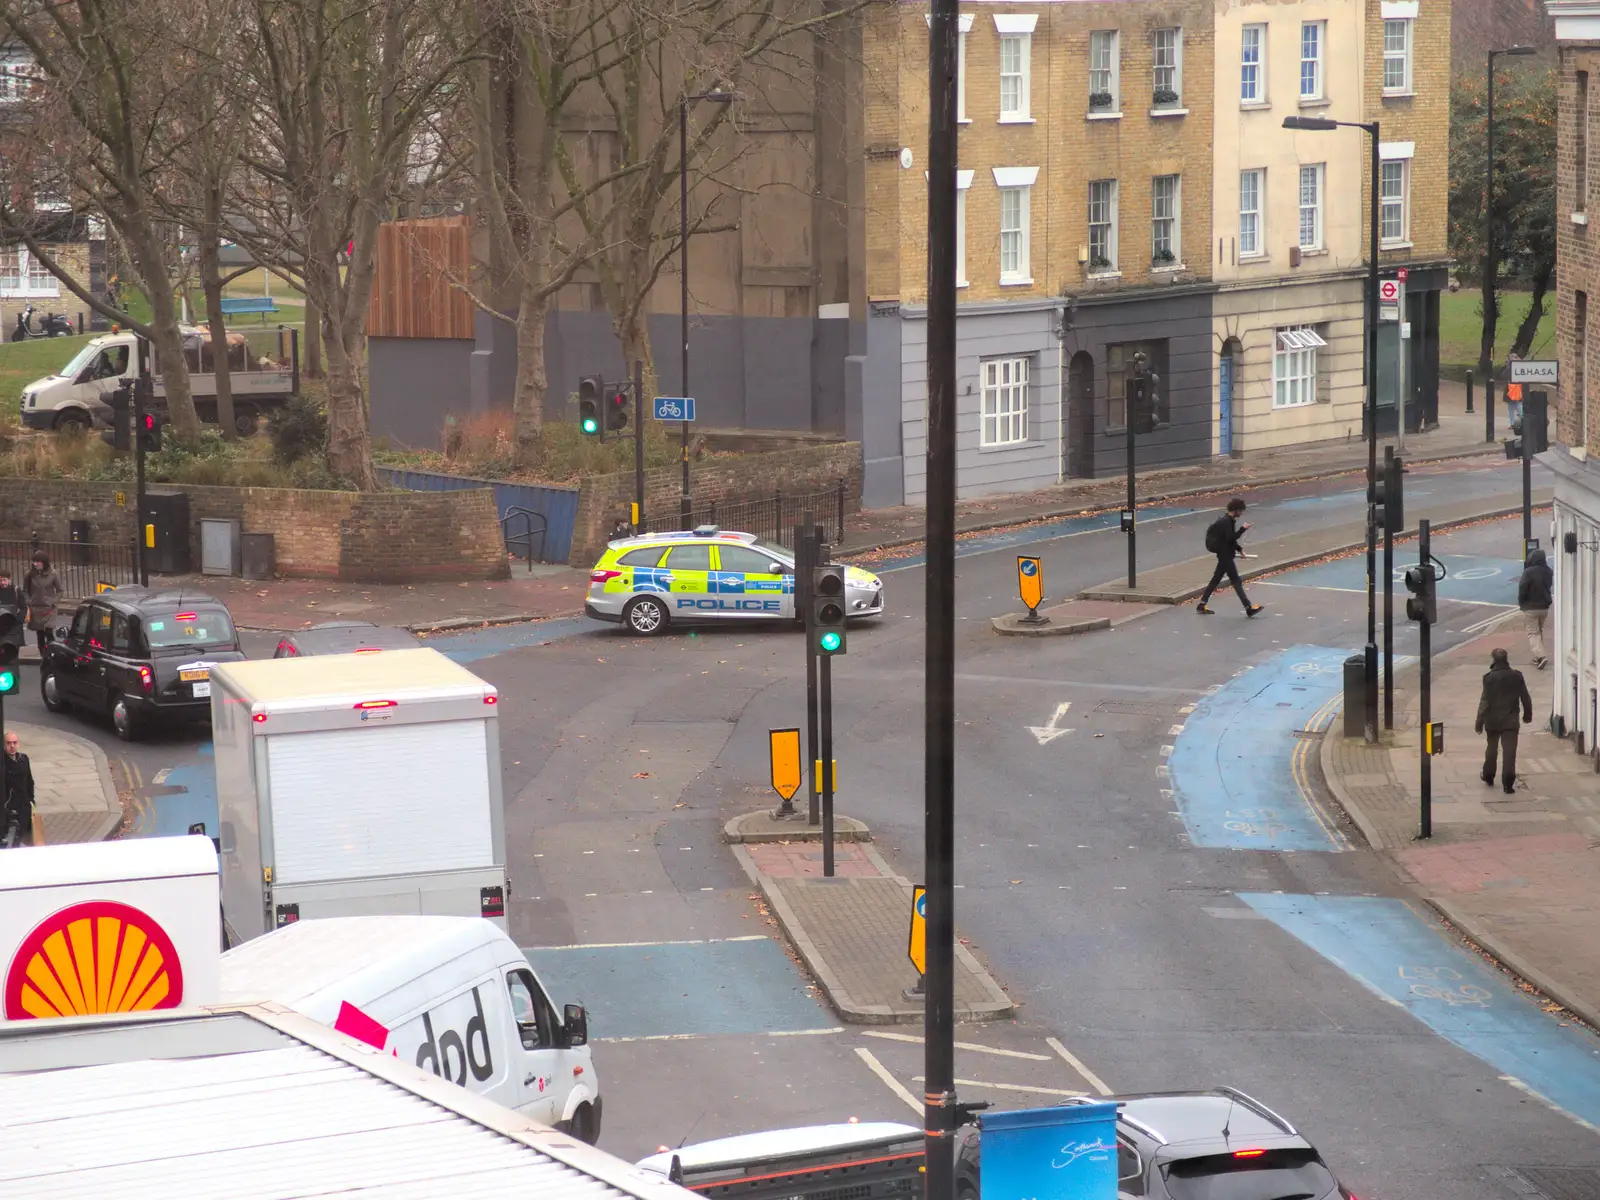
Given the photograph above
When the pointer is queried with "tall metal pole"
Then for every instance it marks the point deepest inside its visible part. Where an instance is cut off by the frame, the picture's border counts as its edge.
(638, 446)
(805, 545)
(826, 699)
(140, 557)
(1425, 557)
(684, 506)
(1527, 479)
(1490, 312)
(1130, 394)
(938, 737)
(1388, 591)
(1371, 661)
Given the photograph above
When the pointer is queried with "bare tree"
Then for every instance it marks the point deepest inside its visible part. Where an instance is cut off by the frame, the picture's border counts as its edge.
(98, 120)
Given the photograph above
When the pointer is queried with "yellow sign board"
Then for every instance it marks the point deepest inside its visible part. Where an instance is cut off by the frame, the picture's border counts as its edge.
(150, 537)
(785, 747)
(1030, 580)
(104, 587)
(917, 941)
(120, 498)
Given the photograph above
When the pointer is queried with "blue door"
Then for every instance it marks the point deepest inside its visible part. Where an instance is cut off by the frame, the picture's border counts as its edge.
(1225, 407)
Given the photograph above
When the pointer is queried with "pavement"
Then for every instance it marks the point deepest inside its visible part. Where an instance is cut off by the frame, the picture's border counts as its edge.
(74, 798)
(1516, 874)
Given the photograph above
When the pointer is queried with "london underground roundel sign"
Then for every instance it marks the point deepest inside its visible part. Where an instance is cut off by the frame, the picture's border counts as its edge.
(97, 957)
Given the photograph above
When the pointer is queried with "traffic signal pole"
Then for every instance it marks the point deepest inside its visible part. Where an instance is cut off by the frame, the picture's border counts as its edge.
(1425, 558)
(826, 698)
(638, 446)
(805, 547)
(139, 386)
(1389, 499)
(1527, 477)
(1130, 399)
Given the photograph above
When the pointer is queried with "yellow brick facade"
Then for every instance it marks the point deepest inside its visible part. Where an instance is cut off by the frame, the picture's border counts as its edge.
(1419, 114)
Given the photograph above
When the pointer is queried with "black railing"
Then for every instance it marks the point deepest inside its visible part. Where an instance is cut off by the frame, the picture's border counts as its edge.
(82, 566)
(771, 517)
(518, 528)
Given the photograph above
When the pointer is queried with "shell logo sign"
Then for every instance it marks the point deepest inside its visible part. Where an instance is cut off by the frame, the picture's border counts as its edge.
(97, 957)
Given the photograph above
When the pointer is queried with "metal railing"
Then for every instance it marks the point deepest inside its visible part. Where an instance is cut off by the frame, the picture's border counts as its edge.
(771, 517)
(524, 537)
(82, 566)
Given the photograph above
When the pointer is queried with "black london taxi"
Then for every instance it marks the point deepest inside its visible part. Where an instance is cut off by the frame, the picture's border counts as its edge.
(139, 656)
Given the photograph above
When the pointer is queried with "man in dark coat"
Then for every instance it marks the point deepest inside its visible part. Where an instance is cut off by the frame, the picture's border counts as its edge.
(1534, 596)
(1504, 693)
(16, 802)
(1222, 539)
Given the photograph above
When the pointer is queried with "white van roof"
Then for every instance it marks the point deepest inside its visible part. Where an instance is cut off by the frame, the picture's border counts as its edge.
(319, 681)
(778, 1143)
(106, 862)
(313, 965)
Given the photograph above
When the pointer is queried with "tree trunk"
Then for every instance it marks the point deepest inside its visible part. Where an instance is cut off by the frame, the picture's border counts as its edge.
(1530, 323)
(527, 406)
(349, 438)
(633, 332)
(168, 339)
(312, 366)
(211, 284)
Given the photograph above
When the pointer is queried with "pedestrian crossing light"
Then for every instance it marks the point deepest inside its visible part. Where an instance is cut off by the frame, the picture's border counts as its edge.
(1423, 603)
(617, 411)
(827, 610)
(589, 388)
(8, 681)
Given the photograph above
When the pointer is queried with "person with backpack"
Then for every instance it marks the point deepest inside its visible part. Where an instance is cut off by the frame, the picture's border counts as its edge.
(1534, 597)
(1222, 539)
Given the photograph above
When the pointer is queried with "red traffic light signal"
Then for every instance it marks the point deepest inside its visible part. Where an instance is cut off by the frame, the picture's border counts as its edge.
(617, 410)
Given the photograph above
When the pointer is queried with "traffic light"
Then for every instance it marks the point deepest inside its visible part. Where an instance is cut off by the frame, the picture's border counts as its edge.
(1388, 498)
(1144, 403)
(120, 435)
(12, 635)
(9, 684)
(617, 410)
(1423, 603)
(827, 610)
(150, 434)
(589, 388)
(1536, 421)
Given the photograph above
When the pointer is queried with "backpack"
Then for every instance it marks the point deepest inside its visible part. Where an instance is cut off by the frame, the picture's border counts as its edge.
(1217, 535)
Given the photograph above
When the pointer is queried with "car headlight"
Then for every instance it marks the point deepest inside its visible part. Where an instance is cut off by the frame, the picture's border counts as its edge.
(29, 399)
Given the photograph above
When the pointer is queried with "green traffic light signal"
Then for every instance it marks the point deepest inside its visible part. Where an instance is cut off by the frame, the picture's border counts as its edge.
(8, 682)
(590, 425)
(829, 641)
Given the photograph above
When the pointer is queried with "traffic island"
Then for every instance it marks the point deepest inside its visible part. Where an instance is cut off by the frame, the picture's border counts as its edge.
(1072, 616)
(851, 931)
(765, 826)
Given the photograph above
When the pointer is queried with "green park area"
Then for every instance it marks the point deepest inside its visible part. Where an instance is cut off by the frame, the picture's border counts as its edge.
(1461, 325)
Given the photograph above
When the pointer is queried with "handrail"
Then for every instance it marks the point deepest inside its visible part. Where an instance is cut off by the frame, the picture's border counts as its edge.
(526, 536)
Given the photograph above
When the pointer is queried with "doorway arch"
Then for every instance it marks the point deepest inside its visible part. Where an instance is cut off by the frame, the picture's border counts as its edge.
(1080, 415)
(1229, 441)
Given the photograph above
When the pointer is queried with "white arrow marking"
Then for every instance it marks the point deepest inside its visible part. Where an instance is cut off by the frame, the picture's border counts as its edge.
(1049, 733)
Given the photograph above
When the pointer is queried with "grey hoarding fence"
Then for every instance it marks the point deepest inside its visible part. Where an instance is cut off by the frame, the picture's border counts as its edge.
(558, 506)
(771, 517)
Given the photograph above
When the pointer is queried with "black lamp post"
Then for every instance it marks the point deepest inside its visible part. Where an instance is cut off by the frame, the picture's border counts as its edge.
(685, 505)
(1371, 661)
(1491, 307)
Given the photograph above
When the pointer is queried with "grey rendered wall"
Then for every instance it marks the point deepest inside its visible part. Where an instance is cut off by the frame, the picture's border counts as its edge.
(883, 480)
(415, 383)
(981, 334)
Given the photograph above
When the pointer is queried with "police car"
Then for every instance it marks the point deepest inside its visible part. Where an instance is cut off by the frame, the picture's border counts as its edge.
(659, 579)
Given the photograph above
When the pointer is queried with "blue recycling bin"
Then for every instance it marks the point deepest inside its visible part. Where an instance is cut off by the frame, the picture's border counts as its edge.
(1068, 1152)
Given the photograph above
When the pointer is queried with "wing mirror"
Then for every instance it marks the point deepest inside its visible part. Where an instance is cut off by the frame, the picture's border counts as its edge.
(575, 1025)
(777, 568)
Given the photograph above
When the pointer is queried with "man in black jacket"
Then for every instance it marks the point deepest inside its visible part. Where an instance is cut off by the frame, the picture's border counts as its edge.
(1534, 597)
(16, 802)
(1222, 539)
(1504, 693)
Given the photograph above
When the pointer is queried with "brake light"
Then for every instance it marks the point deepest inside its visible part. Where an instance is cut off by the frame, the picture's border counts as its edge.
(1248, 1153)
(491, 699)
(286, 650)
(185, 616)
(602, 576)
(259, 718)
(375, 704)
(368, 649)
(146, 679)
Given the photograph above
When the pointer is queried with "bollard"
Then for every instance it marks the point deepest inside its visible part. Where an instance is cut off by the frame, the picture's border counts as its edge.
(1469, 391)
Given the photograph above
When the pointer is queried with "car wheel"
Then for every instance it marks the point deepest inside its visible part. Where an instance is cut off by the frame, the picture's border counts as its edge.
(245, 421)
(74, 420)
(582, 1124)
(645, 615)
(123, 720)
(50, 689)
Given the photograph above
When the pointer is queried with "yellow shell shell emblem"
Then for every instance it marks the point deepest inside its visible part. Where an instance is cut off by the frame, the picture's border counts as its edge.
(95, 957)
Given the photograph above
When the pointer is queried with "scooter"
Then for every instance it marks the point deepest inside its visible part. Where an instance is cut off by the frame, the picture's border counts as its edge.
(50, 325)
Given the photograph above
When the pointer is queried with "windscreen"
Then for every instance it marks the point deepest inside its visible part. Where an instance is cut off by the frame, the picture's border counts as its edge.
(1275, 1175)
(80, 360)
(190, 629)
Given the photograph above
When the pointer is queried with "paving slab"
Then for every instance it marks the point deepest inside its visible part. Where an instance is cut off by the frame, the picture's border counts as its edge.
(74, 797)
(1071, 617)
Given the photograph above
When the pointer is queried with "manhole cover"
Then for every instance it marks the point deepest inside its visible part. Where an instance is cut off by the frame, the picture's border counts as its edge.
(1132, 708)
(1550, 1183)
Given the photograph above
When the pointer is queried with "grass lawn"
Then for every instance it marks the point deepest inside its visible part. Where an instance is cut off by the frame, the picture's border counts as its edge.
(1461, 327)
(23, 362)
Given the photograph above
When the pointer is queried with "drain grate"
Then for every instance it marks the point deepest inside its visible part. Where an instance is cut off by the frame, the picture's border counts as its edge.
(1132, 708)
(1549, 1183)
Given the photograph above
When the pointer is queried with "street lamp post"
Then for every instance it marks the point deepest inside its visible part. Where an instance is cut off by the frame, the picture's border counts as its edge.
(1491, 309)
(684, 504)
(1370, 673)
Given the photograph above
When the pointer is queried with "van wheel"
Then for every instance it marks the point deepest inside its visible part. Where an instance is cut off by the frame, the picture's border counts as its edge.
(582, 1124)
(50, 688)
(123, 720)
(645, 615)
(73, 420)
(245, 420)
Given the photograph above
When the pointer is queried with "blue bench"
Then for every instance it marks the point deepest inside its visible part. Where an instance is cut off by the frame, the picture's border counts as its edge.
(238, 305)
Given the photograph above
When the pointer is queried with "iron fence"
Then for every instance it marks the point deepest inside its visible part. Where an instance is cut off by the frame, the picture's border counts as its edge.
(771, 517)
(82, 566)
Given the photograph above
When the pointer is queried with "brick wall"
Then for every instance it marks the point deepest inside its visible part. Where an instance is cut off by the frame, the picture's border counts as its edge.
(1578, 265)
(1423, 118)
(74, 259)
(604, 498)
(365, 537)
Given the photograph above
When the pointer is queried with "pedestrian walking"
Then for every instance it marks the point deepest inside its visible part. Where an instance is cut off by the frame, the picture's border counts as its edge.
(1222, 539)
(41, 589)
(1535, 594)
(1505, 691)
(16, 802)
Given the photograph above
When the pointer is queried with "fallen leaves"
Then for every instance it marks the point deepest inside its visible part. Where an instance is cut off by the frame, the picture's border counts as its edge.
(641, 774)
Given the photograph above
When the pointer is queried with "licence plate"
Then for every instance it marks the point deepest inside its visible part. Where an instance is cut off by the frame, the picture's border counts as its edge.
(190, 676)
(202, 690)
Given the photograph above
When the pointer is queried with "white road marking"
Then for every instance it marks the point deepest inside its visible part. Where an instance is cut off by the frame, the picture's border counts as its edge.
(748, 937)
(882, 1072)
(1048, 733)
(689, 1037)
(1076, 1064)
(911, 1037)
(160, 776)
(1009, 1087)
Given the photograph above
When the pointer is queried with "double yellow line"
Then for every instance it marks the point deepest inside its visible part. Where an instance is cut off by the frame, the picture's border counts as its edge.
(1298, 769)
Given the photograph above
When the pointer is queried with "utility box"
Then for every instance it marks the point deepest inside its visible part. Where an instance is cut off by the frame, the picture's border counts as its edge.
(164, 529)
(1355, 696)
(78, 541)
(259, 558)
(220, 549)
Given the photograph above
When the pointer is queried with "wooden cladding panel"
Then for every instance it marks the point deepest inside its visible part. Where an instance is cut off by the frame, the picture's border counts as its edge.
(423, 266)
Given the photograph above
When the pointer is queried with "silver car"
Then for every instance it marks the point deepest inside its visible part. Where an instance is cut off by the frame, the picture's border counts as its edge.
(660, 579)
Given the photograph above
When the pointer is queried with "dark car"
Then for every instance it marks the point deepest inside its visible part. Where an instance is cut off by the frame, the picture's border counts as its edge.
(345, 637)
(138, 656)
(1213, 1145)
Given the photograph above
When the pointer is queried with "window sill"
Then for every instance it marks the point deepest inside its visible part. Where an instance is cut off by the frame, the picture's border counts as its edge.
(1580, 218)
(1314, 102)
(1105, 274)
(963, 120)
(1169, 112)
(1276, 407)
(1317, 253)
(1004, 282)
(1405, 95)
(961, 283)
(29, 294)
(1246, 260)
(1104, 116)
(1254, 105)
(992, 447)
(1391, 245)
(1015, 120)
(1167, 268)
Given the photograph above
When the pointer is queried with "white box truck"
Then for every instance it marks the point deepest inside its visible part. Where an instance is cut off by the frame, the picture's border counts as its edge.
(354, 785)
(108, 927)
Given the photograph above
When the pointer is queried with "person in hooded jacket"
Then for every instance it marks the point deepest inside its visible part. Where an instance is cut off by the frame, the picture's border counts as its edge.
(1535, 593)
(1505, 694)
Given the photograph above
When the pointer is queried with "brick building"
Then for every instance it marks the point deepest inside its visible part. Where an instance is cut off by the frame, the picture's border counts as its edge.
(1575, 430)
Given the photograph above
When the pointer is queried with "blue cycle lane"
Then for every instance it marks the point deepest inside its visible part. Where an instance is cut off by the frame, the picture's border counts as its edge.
(1022, 535)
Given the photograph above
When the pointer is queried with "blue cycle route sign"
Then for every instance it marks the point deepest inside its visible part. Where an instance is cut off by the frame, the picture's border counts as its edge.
(674, 408)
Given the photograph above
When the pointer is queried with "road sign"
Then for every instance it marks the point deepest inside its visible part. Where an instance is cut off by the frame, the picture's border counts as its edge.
(1030, 580)
(1389, 291)
(1391, 296)
(1535, 371)
(674, 408)
(1404, 274)
(784, 746)
(917, 940)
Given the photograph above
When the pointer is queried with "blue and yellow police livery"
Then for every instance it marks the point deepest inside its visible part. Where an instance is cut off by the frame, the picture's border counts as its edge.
(659, 579)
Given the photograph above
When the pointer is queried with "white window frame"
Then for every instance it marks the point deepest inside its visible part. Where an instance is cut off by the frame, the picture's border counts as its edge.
(1014, 235)
(1386, 203)
(18, 74)
(1258, 223)
(28, 270)
(1253, 74)
(1016, 33)
(963, 27)
(1110, 225)
(1294, 366)
(1003, 415)
(1319, 178)
(1112, 71)
(1316, 61)
(963, 185)
(1173, 220)
(1176, 66)
(1403, 56)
